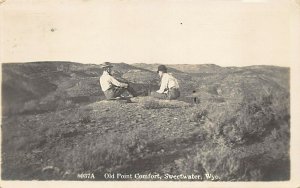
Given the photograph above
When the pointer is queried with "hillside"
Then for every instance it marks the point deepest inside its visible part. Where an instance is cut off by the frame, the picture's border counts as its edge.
(230, 122)
(46, 86)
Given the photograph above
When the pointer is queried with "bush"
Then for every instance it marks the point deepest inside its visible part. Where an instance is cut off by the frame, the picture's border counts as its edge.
(239, 164)
(30, 105)
(64, 104)
(107, 153)
(240, 123)
(245, 140)
(98, 155)
(249, 123)
(211, 159)
(198, 116)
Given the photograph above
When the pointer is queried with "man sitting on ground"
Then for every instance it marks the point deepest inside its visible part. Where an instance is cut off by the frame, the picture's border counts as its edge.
(169, 88)
(111, 87)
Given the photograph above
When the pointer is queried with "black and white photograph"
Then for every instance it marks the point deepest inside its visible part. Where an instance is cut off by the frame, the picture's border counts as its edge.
(128, 91)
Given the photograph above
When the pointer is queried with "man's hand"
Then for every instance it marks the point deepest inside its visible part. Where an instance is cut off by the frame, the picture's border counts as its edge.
(125, 85)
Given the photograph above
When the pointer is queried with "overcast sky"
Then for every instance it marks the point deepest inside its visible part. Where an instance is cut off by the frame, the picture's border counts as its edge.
(223, 32)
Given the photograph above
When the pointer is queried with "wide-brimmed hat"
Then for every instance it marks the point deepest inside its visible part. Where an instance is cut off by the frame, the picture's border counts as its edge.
(162, 68)
(106, 64)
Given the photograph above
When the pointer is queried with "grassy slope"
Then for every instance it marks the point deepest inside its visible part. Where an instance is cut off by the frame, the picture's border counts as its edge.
(223, 137)
(46, 86)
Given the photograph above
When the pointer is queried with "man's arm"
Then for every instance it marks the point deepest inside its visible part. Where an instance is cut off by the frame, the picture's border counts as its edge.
(117, 83)
(163, 85)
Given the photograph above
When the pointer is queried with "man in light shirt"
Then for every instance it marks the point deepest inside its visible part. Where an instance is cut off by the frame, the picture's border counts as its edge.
(169, 88)
(111, 87)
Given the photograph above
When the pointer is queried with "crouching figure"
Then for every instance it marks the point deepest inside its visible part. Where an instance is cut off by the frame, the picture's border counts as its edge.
(169, 88)
(111, 87)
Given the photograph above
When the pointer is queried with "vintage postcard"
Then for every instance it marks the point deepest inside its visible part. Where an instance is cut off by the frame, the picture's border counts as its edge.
(150, 93)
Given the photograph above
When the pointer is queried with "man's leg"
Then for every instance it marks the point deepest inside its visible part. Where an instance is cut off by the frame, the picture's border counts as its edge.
(118, 91)
(109, 94)
(173, 94)
(131, 90)
(159, 95)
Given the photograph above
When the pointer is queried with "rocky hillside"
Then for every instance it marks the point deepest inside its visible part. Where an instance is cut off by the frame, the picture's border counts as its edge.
(47, 86)
(230, 122)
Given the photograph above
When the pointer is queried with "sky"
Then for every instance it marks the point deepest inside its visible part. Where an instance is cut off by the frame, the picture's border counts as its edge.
(222, 32)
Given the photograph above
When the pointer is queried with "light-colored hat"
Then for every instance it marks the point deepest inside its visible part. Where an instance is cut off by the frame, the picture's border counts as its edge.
(106, 64)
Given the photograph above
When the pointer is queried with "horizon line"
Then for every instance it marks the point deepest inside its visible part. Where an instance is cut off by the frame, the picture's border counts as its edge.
(64, 61)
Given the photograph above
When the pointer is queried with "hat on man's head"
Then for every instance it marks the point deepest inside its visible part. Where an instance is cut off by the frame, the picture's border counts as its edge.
(162, 68)
(106, 65)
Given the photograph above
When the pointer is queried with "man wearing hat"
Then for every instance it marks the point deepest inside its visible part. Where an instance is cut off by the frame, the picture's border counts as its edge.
(169, 88)
(111, 87)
